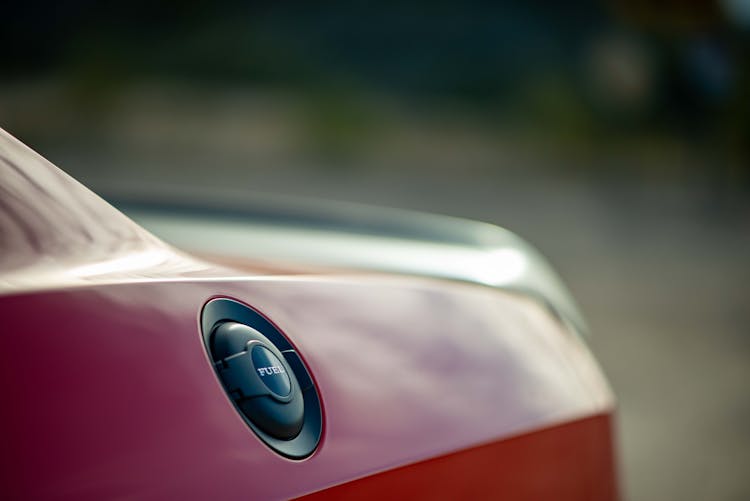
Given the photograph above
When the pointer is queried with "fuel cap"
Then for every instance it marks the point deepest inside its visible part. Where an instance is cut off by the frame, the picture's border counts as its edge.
(259, 379)
(264, 377)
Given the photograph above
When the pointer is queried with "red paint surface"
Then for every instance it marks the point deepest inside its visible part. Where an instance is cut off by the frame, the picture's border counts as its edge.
(566, 462)
(107, 391)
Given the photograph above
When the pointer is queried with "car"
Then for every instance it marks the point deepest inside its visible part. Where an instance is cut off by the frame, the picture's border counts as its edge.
(197, 349)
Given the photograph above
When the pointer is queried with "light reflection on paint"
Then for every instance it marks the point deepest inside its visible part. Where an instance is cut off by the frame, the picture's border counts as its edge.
(507, 263)
(56, 233)
(128, 263)
(491, 267)
(498, 267)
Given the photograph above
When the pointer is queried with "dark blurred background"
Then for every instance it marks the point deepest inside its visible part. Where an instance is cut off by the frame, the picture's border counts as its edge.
(613, 136)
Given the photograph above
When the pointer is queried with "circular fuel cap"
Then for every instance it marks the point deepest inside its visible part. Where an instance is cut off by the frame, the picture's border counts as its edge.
(263, 376)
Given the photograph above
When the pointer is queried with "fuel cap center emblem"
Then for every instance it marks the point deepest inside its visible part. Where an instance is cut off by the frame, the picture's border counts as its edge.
(271, 371)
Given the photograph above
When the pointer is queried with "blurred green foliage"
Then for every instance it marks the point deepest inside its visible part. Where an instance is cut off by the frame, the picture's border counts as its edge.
(583, 78)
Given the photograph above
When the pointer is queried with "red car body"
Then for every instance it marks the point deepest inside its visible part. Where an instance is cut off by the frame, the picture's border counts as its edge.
(429, 388)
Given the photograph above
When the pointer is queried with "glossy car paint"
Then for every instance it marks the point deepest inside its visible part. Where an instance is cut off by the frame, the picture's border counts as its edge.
(343, 235)
(561, 462)
(108, 391)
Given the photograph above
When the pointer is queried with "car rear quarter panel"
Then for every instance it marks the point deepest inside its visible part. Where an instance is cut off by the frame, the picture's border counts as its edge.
(109, 391)
(428, 386)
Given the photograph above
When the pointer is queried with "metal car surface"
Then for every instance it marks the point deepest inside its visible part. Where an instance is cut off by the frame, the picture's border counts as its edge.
(430, 387)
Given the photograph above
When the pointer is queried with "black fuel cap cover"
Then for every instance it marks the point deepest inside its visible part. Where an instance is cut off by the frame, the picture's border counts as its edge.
(264, 377)
(259, 380)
